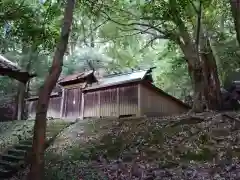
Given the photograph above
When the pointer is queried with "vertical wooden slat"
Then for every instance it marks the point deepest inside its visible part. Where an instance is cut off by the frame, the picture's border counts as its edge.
(72, 102)
(82, 106)
(139, 101)
(99, 103)
(128, 100)
(118, 103)
(79, 102)
(62, 103)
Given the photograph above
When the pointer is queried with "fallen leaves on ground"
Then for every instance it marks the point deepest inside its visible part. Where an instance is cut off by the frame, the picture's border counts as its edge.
(203, 146)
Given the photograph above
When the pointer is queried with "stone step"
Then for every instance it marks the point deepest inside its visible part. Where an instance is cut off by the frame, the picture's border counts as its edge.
(57, 124)
(14, 158)
(26, 142)
(4, 173)
(11, 158)
(17, 152)
(11, 166)
(23, 147)
(52, 130)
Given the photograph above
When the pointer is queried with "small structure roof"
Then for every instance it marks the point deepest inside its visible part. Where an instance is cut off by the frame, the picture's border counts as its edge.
(8, 68)
(75, 77)
(118, 79)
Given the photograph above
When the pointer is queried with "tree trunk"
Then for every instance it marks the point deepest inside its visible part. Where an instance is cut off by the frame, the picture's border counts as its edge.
(212, 91)
(20, 104)
(92, 44)
(37, 161)
(194, 69)
(235, 7)
(190, 51)
(202, 67)
(22, 87)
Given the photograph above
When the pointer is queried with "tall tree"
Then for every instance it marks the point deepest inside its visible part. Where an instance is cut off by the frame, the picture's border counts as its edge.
(235, 7)
(172, 20)
(37, 164)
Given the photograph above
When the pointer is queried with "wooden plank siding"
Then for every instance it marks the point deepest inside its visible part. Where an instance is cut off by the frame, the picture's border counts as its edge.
(128, 97)
(112, 102)
(132, 99)
(91, 104)
(53, 109)
(153, 103)
(108, 103)
(31, 108)
(72, 103)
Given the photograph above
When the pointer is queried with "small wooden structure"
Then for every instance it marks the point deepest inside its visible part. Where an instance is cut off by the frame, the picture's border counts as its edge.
(132, 94)
(54, 105)
(8, 68)
(72, 93)
(12, 70)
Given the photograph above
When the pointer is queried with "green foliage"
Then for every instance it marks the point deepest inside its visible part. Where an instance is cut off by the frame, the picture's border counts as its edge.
(116, 35)
(172, 73)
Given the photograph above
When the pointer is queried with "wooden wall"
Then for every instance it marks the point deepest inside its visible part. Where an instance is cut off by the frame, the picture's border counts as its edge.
(111, 102)
(72, 103)
(53, 110)
(154, 104)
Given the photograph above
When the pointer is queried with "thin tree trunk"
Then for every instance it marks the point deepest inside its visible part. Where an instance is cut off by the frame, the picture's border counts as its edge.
(37, 164)
(22, 86)
(92, 44)
(20, 104)
(235, 7)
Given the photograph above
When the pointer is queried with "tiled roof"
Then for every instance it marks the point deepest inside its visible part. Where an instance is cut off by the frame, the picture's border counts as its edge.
(8, 68)
(6, 64)
(118, 79)
(74, 77)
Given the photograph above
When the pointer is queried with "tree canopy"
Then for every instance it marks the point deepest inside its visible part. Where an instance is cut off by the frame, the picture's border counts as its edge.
(119, 35)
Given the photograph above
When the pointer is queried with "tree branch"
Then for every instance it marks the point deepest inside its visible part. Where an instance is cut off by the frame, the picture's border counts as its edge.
(94, 29)
(118, 37)
(150, 43)
(150, 26)
(199, 17)
(84, 34)
(194, 7)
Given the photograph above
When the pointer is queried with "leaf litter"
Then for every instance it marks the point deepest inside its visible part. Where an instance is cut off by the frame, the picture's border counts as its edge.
(200, 147)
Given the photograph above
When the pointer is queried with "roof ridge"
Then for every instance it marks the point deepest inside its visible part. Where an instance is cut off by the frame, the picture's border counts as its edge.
(125, 73)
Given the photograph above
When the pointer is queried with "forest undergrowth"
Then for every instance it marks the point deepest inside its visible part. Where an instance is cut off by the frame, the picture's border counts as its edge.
(203, 146)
